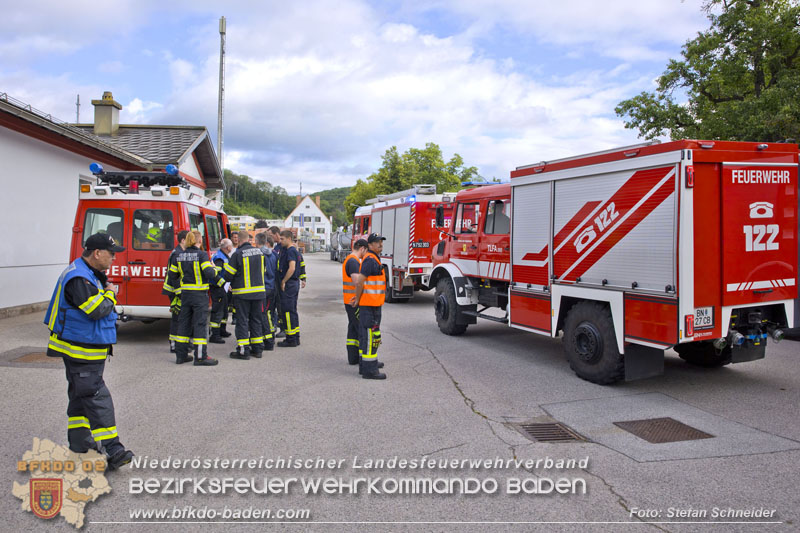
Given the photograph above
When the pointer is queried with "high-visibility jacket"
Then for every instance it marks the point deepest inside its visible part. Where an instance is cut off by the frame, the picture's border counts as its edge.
(72, 328)
(348, 287)
(245, 271)
(374, 286)
(191, 270)
(167, 289)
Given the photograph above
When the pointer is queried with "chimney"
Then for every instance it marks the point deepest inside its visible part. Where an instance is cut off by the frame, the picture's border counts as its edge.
(316, 199)
(299, 199)
(106, 115)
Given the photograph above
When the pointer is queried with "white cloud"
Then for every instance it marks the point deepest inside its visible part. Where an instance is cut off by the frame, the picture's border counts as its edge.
(138, 112)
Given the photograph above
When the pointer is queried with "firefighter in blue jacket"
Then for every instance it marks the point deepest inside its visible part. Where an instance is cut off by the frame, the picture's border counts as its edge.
(82, 324)
(270, 271)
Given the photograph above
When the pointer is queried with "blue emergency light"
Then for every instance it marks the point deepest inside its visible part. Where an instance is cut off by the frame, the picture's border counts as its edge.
(172, 170)
(96, 168)
(411, 198)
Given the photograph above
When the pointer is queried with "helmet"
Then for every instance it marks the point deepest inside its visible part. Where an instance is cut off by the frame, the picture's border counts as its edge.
(154, 234)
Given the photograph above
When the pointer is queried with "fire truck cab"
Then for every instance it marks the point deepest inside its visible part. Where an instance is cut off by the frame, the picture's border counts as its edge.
(144, 212)
(690, 245)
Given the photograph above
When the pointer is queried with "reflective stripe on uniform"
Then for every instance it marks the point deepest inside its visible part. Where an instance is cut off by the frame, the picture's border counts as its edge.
(182, 339)
(92, 303)
(195, 287)
(243, 342)
(100, 434)
(76, 422)
(76, 352)
(352, 342)
(199, 341)
(248, 290)
(256, 340)
(214, 324)
(229, 268)
(369, 355)
(54, 311)
(289, 329)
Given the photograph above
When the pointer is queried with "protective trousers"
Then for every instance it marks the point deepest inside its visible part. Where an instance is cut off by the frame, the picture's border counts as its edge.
(266, 323)
(175, 309)
(249, 316)
(192, 321)
(219, 309)
(289, 310)
(90, 411)
(369, 320)
(352, 334)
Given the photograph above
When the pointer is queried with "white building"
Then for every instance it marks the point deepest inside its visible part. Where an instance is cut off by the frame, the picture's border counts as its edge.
(243, 222)
(42, 163)
(313, 226)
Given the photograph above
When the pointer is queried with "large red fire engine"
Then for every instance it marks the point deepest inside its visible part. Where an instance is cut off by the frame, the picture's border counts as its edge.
(144, 211)
(407, 219)
(690, 245)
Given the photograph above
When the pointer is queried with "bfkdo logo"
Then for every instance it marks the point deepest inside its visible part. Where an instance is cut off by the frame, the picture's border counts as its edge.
(46, 497)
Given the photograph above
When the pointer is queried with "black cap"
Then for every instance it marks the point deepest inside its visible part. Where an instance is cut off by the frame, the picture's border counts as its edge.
(374, 237)
(360, 243)
(102, 241)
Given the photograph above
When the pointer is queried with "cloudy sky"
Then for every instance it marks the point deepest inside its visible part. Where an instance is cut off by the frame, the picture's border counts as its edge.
(317, 90)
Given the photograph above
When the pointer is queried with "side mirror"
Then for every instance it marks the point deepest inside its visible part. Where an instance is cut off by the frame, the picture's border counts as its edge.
(440, 216)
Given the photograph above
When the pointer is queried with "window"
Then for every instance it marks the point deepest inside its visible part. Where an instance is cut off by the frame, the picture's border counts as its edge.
(152, 229)
(497, 217)
(320, 230)
(196, 222)
(468, 215)
(317, 219)
(214, 234)
(365, 228)
(108, 221)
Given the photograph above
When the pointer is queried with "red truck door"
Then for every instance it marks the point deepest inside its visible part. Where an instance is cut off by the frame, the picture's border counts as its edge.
(151, 226)
(759, 224)
(112, 218)
(494, 245)
(464, 250)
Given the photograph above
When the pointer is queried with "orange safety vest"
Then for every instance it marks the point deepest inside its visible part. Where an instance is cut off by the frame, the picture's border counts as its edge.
(374, 287)
(348, 287)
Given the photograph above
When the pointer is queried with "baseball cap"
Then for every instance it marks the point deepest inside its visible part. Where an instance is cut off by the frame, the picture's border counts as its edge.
(360, 243)
(374, 237)
(101, 241)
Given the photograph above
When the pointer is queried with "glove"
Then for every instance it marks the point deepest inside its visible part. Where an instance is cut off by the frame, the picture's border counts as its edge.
(175, 305)
(376, 337)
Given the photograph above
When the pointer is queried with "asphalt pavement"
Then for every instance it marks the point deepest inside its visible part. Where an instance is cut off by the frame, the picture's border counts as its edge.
(446, 398)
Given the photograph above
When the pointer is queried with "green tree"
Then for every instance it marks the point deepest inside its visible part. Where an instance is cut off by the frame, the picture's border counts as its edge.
(415, 166)
(741, 78)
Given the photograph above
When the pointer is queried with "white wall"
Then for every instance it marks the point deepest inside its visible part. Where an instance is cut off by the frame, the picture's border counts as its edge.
(310, 210)
(40, 186)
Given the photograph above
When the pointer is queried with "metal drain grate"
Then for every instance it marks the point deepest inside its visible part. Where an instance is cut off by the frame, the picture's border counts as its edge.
(29, 357)
(549, 432)
(661, 430)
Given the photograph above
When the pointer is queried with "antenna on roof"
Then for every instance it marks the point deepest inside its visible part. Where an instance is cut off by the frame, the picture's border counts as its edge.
(221, 105)
(78, 111)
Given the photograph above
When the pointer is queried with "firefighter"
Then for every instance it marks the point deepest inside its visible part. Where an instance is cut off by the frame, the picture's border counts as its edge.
(370, 293)
(270, 271)
(174, 294)
(245, 271)
(275, 233)
(82, 324)
(351, 268)
(289, 261)
(193, 272)
(219, 298)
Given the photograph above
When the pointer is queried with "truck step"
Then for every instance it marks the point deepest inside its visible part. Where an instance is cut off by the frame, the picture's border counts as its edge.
(502, 320)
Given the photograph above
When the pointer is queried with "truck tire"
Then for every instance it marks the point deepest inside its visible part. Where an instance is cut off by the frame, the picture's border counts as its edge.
(591, 345)
(446, 308)
(388, 297)
(703, 353)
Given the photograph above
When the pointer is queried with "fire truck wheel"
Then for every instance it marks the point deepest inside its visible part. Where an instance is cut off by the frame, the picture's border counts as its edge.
(591, 344)
(703, 353)
(446, 308)
(389, 297)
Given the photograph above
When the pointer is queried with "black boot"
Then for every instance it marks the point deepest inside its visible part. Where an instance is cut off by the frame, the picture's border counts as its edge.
(119, 459)
(239, 354)
(216, 338)
(182, 353)
(269, 345)
(223, 331)
(289, 342)
(203, 359)
(369, 370)
(255, 350)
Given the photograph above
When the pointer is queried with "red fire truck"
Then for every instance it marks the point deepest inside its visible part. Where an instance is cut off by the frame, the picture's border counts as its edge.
(144, 211)
(407, 219)
(690, 245)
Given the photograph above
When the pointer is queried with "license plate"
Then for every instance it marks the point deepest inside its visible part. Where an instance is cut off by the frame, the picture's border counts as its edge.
(704, 318)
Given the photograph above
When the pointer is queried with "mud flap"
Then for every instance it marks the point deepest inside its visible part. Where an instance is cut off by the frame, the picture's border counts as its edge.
(748, 352)
(643, 362)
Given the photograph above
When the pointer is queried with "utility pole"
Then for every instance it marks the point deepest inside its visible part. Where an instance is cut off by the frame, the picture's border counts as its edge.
(221, 104)
(78, 112)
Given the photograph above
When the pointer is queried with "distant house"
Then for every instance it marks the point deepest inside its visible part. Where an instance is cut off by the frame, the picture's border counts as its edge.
(314, 227)
(242, 222)
(43, 161)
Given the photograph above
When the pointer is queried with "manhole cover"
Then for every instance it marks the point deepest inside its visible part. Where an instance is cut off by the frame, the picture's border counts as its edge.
(36, 357)
(548, 432)
(661, 430)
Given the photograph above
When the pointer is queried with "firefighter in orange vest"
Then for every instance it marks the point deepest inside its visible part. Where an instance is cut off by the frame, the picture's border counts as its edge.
(370, 293)
(351, 268)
